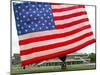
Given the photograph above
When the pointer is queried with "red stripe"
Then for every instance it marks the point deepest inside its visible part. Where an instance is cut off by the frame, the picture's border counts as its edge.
(68, 8)
(69, 16)
(71, 23)
(54, 36)
(66, 4)
(46, 47)
(56, 4)
(38, 59)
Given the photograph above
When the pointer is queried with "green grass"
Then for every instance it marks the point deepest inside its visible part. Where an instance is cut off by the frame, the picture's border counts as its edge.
(80, 67)
(16, 70)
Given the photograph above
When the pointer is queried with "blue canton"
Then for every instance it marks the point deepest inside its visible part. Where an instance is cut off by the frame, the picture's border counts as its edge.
(33, 17)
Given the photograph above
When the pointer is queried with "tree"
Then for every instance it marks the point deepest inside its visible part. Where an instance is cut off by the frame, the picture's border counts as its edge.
(92, 57)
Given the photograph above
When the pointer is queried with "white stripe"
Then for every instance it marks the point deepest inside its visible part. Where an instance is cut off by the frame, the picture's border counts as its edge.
(68, 12)
(51, 51)
(56, 31)
(53, 41)
(60, 22)
(61, 6)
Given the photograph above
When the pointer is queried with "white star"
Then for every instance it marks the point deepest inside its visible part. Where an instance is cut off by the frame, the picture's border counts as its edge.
(45, 5)
(40, 11)
(33, 5)
(30, 9)
(34, 12)
(49, 8)
(37, 9)
(20, 14)
(46, 27)
(44, 14)
(24, 16)
(35, 18)
(26, 30)
(25, 23)
(19, 32)
(51, 14)
(47, 11)
(51, 20)
(53, 26)
(45, 20)
(22, 27)
(40, 28)
(19, 7)
(31, 15)
(43, 24)
(16, 11)
(41, 17)
(17, 18)
(18, 25)
(31, 22)
(39, 22)
(33, 29)
(23, 10)
(26, 6)
(29, 26)
(21, 21)
(27, 12)
(38, 15)
(49, 23)
(36, 25)
(43, 8)
(48, 16)
(39, 5)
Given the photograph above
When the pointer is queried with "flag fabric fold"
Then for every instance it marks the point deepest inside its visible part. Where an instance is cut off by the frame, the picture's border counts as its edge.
(49, 30)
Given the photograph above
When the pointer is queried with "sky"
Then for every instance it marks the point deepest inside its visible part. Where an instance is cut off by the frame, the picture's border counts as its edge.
(88, 49)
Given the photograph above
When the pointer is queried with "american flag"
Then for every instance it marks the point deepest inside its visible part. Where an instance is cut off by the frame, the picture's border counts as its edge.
(49, 30)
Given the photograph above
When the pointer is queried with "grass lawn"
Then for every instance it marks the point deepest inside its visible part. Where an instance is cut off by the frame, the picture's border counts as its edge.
(18, 70)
